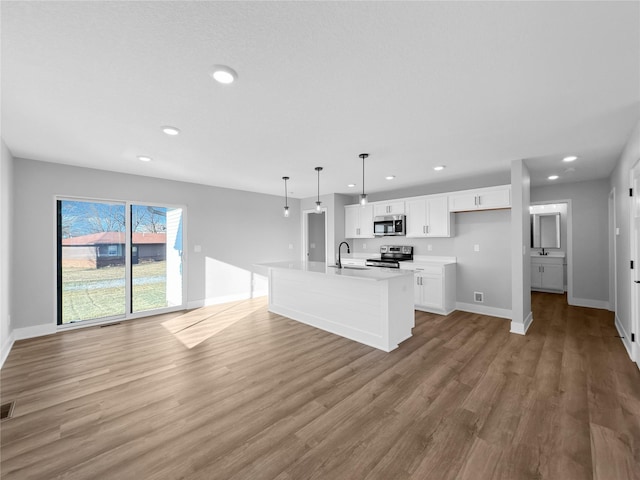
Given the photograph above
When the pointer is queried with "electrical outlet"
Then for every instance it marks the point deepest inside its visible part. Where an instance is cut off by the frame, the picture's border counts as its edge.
(430, 247)
(291, 246)
(364, 246)
(476, 248)
(197, 248)
(478, 297)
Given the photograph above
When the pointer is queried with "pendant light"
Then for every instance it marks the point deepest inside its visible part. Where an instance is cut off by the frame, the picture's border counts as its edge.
(318, 203)
(286, 198)
(363, 197)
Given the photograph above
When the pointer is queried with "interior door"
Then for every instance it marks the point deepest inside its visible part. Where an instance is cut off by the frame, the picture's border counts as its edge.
(635, 256)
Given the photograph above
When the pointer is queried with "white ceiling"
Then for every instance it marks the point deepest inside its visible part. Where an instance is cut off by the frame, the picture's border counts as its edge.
(471, 85)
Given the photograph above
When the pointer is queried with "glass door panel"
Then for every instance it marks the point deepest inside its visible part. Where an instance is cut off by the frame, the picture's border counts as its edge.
(156, 257)
(91, 260)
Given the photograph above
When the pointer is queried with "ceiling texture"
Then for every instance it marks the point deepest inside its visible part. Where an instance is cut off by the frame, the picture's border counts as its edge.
(469, 85)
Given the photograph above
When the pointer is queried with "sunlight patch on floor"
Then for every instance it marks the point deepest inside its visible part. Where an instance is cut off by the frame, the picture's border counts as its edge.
(198, 325)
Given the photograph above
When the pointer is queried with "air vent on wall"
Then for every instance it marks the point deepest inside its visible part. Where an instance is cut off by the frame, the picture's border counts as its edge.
(478, 297)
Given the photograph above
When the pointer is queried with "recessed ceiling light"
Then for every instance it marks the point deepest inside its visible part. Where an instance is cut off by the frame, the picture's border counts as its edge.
(171, 130)
(351, 185)
(223, 74)
(390, 177)
(570, 158)
(144, 158)
(553, 177)
(438, 168)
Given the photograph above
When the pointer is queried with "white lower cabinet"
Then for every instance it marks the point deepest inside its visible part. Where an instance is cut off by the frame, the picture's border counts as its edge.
(547, 274)
(434, 287)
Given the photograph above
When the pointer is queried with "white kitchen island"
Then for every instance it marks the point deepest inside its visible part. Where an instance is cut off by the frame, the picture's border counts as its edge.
(373, 306)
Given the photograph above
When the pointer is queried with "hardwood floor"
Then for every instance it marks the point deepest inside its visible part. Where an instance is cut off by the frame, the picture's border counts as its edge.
(234, 392)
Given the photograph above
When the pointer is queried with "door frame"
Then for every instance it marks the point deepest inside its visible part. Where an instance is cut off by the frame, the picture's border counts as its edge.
(634, 274)
(128, 315)
(569, 252)
(613, 252)
(305, 232)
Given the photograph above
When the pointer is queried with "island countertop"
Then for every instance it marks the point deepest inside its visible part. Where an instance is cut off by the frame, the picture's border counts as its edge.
(321, 268)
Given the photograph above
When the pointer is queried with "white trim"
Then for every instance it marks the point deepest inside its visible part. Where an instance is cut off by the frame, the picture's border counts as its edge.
(634, 246)
(484, 310)
(613, 253)
(624, 336)
(587, 302)
(521, 328)
(6, 348)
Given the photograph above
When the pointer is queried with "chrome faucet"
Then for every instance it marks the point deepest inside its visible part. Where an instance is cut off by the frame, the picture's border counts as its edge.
(340, 255)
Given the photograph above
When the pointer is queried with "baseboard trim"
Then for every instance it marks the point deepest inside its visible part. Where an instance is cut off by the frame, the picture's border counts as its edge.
(484, 310)
(35, 331)
(521, 328)
(624, 336)
(6, 348)
(225, 299)
(587, 302)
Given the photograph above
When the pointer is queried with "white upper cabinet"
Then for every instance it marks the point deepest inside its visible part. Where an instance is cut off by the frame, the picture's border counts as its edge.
(388, 208)
(358, 221)
(480, 199)
(428, 217)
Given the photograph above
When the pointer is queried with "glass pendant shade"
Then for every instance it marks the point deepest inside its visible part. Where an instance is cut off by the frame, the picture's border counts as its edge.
(286, 198)
(318, 203)
(363, 197)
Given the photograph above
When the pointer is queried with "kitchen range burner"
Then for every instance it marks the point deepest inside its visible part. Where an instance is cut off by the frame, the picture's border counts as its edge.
(391, 256)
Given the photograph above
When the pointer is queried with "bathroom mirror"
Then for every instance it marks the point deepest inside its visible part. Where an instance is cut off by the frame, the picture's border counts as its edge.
(545, 230)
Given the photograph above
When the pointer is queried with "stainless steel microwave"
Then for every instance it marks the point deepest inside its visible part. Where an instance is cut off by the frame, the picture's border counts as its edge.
(387, 225)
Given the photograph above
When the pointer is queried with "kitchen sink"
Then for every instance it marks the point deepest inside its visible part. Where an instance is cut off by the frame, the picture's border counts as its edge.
(351, 267)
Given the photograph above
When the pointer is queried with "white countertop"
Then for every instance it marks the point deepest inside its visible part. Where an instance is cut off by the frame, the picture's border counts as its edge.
(370, 273)
(417, 259)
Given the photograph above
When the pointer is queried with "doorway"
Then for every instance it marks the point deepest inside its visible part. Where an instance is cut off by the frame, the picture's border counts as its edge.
(562, 206)
(315, 235)
(117, 260)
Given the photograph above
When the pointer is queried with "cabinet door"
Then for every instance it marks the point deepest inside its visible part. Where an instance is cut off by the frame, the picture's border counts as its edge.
(498, 198)
(438, 217)
(351, 222)
(388, 208)
(417, 218)
(461, 202)
(552, 277)
(417, 290)
(366, 221)
(536, 275)
(432, 292)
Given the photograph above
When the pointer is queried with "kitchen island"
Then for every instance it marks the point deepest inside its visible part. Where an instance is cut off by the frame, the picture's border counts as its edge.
(373, 305)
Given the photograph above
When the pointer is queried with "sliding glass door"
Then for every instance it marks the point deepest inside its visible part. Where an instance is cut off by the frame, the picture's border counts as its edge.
(156, 257)
(117, 259)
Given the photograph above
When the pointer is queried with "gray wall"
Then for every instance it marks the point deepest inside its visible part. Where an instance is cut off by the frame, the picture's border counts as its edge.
(589, 215)
(487, 271)
(6, 220)
(621, 182)
(235, 229)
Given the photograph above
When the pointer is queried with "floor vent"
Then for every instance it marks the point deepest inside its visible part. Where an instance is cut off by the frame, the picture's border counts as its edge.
(6, 411)
(109, 325)
(478, 297)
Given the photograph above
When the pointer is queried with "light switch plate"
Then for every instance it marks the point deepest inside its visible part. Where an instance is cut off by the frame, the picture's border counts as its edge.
(197, 248)
(476, 248)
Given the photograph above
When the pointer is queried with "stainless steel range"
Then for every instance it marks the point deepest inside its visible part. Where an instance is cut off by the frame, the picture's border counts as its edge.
(391, 256)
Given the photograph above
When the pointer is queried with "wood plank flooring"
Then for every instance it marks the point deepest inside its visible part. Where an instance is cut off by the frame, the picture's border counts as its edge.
(235, 392)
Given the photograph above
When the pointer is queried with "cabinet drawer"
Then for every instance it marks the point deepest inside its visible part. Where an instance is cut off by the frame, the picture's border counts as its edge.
(428, 269)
